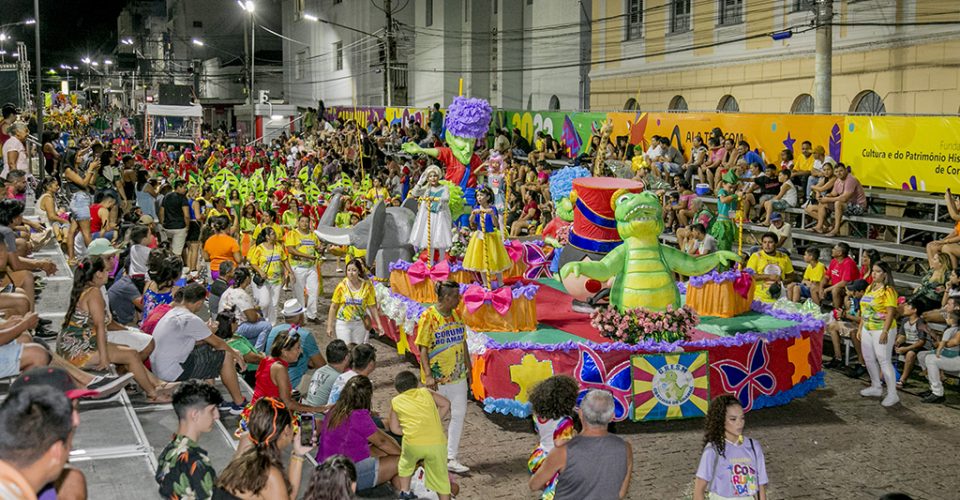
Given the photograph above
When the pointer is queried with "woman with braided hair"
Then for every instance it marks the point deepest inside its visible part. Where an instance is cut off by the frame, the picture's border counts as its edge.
(256, 472)
(732, 466)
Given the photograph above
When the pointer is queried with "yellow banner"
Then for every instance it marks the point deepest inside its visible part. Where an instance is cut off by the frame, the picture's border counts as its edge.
(916, 153)
(768, 133)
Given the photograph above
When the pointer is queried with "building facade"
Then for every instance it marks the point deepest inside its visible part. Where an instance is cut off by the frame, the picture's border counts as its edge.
(889, 56)
(516, 53)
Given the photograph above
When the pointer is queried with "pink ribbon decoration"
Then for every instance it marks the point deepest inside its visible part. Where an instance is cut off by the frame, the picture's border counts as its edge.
(538, 265)
(514, 250)
(499, 299)
(742, 284)
(419, 271)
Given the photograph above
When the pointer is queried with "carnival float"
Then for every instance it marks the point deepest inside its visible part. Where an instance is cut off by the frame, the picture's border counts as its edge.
(597, 297)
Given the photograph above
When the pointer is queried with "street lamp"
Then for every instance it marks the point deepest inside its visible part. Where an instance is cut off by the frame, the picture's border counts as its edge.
(126, 41)
(197, 42)
(30, 22)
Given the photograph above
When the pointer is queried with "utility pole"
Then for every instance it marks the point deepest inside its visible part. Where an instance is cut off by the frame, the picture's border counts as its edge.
(388, 9)
(253, 58)
(39, 101)
(823, 62)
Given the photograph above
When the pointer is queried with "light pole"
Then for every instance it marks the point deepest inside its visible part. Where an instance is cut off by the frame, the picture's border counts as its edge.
(250, 7)
(3, 53)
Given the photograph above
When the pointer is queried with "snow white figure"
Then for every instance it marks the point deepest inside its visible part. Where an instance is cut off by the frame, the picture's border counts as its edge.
(433, 226)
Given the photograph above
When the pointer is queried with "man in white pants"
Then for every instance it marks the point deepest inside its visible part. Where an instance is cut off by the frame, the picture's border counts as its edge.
(946, 357)
(302, 246)
(445, 362)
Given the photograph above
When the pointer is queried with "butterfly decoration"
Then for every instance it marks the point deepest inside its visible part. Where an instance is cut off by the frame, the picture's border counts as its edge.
(538, 264)
(836, 142)
(570, 137)
(591, 373)
(746, 383)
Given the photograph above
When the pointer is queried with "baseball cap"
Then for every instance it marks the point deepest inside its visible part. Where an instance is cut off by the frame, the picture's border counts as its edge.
(100, 247)
(857, 286)
(776, 216)
(53, 377)
(146, 220)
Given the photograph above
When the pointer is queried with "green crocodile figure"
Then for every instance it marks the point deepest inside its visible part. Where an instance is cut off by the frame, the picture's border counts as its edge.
(642, 265)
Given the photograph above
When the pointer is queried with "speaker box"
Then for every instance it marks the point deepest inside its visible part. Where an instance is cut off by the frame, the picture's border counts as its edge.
(175, 95)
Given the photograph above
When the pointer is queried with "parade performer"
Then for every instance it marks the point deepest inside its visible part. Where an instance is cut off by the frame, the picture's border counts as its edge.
(496, 180)
(722, 227)
(485, 252)
(467, 121)
(642, 265)
(432, 228)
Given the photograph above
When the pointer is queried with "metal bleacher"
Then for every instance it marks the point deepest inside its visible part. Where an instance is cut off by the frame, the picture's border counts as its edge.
(119, 438)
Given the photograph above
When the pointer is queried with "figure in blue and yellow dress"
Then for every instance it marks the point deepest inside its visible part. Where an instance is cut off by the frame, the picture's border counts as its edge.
(722, 227)
(486, 253)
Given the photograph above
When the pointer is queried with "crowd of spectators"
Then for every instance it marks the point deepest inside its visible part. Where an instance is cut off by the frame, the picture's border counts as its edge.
(176, 282)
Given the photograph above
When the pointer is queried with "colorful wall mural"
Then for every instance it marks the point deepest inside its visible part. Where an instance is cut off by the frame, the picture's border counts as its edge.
(895, 152)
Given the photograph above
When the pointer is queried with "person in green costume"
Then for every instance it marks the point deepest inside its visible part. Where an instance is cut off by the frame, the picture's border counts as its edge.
(722, 228)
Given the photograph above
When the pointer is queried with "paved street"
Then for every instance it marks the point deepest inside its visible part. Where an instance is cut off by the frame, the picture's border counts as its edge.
(832, 444)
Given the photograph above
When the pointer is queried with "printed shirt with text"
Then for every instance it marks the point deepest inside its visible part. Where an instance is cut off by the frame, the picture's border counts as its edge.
(444, 339)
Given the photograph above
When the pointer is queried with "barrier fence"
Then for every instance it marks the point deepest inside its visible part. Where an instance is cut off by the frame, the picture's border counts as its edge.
(919, 153)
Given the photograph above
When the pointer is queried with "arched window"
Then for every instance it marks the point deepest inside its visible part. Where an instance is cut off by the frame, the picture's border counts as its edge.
(631, 105)
(678, 103)
(554, 103)
(868, 102)
(728, 104)
(802, 104)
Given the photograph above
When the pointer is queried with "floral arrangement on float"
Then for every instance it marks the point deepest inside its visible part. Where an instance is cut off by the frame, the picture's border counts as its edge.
(639, 325)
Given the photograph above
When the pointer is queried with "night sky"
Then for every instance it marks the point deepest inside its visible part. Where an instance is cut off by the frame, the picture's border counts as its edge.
(69, 29)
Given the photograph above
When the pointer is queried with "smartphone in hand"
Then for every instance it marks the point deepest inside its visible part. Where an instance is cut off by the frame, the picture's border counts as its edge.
(307, 423)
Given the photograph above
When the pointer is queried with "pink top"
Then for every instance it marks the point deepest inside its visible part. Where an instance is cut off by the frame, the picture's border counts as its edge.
(848, 185)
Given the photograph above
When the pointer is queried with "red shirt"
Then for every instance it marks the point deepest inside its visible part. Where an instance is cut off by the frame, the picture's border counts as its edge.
(264, 386)
(283, 201)
(95, 222)
(456, 170)
(845, 270)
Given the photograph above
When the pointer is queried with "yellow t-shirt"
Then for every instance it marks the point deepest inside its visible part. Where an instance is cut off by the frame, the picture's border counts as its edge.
(375, 195)
(444, 338)
(276, 229)
(801, 164)
(419, 417)
(306, 244)
(814, 274)
(269, 261)
(353, 305)
(777, 264)
(873, 308)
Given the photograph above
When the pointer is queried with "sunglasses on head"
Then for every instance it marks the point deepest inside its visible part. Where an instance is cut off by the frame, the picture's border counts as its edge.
(291, 340)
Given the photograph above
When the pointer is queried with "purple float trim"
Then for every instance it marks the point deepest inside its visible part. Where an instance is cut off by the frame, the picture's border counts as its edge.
(806, 323)
(402, 265)
(526, 291)
(714, 277)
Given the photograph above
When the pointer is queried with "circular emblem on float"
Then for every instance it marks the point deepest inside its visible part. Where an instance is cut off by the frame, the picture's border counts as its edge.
(673, 384)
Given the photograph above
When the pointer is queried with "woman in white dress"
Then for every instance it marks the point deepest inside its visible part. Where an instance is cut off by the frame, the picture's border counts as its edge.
(434, 213)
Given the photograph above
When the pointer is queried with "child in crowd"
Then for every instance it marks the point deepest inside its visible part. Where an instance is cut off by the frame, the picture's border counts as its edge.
(814, 279)
(338, 359)
(732, 466)
(363, 360)
(416, 413)
(847, 321)
(553, 402)
(915, 337)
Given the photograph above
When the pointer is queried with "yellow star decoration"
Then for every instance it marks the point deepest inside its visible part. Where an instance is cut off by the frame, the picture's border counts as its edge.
(797, 354)
(529, 373)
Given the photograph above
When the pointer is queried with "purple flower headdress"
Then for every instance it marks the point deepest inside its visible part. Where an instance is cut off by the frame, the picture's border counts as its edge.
(469, 117)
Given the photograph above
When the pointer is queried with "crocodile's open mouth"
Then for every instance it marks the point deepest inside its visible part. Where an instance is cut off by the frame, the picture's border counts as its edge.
(642, 212)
